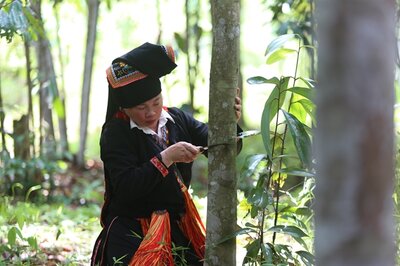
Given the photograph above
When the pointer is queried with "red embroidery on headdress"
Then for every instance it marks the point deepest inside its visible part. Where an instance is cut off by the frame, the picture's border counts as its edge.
(170, 52)
(120, 74)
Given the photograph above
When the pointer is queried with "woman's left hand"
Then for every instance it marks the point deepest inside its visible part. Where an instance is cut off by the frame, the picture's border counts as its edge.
(238, 106)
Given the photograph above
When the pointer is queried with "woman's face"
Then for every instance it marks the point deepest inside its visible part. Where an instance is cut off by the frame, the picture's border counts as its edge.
(146, 114)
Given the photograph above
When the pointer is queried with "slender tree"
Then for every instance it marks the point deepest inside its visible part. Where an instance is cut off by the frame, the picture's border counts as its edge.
(2, 116)
(222, 201)
(62, 119)
(48, 87)
(354, 134)
(29, 82)
(159, 21)
(93, 9)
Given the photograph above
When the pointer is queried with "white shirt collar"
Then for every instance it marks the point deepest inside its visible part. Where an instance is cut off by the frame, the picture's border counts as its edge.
(161, 122)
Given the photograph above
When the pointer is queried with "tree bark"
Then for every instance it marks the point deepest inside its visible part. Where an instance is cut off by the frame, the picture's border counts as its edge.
(222, 201)
(62, 120)
(48, 86)
(93, 8)
(21, 138)
(2, 117)
(354, 134)
(31, 124)
(192, 48)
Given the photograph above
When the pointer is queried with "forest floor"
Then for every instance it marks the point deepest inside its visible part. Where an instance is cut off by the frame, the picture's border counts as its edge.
(61, 231)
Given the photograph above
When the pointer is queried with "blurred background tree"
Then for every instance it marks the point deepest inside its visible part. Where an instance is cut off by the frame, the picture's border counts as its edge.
(53, 56)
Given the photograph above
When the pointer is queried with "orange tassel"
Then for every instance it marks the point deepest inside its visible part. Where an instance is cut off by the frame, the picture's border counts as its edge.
(155, 249)
(145, 224)
(192, 225)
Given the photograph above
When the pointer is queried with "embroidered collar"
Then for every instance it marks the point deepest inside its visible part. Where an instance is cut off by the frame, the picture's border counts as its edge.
(162, 121)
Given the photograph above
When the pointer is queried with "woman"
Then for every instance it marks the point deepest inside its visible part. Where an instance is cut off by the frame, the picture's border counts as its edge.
(147, 151)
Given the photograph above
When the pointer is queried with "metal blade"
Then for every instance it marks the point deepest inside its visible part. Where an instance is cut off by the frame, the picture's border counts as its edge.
(247, 133)
(241, 135)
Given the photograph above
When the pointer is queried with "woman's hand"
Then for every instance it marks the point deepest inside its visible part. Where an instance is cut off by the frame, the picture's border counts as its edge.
(238, 106)
(181, 152)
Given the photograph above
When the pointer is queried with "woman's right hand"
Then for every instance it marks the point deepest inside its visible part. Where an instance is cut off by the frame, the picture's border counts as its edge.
(181, 152)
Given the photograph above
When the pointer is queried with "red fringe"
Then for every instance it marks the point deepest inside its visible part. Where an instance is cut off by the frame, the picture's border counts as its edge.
(145, 224)
(192, 225)
(155, 249)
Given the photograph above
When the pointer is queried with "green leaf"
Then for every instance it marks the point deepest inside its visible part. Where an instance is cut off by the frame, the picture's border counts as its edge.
(18, 233)
(266, 120)
(300, 137)
(307, 258)
(279, 55)
(20, 220)
(262, 80)
(260, 199)
(279, 42)
(4, 20)
(303, 91)
(59, 232)
(32, 242)
(253, 211)
(12, 236)
(297, 109)
(288, 230)
(59, 108)
(296, 210)
(293, 171)
(17, 17)
(284, 253)
(252, 225)
(181, 42)
(311, 47)
(271, 107)
(35, 25)
(308, 82)
(252, 251)
(309, 107)
(268, 254)
(14, 186)
(241, 231)
(30, 190)
(108, 4)
(251, 163)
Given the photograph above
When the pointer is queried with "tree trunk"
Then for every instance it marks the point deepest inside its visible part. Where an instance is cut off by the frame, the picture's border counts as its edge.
(48, 87)
(159, 21)
(93, 8)
(222, 201)
(312, 52)
(354, 134)
(31, 124)
(21, 138)
(62, 119)
(2, 116)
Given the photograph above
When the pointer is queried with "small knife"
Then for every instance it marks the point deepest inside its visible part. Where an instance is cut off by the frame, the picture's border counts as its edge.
(240, 135)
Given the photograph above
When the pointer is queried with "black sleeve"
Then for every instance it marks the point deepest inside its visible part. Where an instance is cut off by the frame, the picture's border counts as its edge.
(197, 130)
(128, 178)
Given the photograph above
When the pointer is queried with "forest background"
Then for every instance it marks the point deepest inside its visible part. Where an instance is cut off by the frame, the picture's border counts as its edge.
(56, 189)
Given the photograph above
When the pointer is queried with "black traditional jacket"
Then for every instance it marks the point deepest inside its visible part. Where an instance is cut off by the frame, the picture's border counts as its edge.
(137, 183)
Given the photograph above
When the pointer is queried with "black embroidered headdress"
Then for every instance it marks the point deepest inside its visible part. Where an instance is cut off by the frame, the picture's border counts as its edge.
(134, 77)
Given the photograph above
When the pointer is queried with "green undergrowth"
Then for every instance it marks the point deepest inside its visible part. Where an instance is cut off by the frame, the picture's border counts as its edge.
(46, 234)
